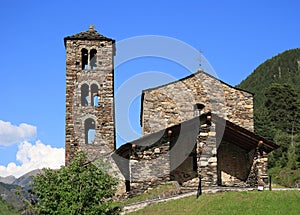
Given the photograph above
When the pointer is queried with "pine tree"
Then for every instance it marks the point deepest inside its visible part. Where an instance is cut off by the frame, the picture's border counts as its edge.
(283, 107)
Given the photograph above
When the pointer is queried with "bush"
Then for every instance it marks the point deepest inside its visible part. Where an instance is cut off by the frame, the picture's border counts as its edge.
(285, 176)
(80, 188)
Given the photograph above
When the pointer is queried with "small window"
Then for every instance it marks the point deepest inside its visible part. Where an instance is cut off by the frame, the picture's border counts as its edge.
(84, 58)
(90, 131)
(94, 95)
(84, 95)
(93, 59)
(96, 103)
(197, 109)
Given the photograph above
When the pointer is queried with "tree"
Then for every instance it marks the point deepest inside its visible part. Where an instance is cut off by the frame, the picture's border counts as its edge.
(283, 107)
(279, 157)
(80, 188)
(263, 125)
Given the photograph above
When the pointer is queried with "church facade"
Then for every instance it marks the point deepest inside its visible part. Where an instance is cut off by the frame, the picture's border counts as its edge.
(196, 129)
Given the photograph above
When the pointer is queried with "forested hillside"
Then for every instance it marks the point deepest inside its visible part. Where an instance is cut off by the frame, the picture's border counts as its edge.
(276, 85)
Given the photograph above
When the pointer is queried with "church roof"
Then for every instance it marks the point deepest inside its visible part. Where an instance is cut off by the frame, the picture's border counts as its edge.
(232, 133)
(90, 34)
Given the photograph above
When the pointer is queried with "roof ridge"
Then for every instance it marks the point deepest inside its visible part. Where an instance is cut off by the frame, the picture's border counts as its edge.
(90, 34)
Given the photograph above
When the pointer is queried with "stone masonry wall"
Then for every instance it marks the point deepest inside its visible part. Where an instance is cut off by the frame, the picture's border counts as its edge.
(76, 114)
(174, 103)
(262, 168)
(149, 165)
(234, 165)
(207, 155)
(102, 114)
(145, 171)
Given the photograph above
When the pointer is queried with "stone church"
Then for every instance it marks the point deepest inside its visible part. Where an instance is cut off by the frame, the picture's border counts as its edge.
(196, 129)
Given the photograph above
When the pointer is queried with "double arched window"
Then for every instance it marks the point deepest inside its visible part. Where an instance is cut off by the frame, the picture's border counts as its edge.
(88, 59)
(89, 95)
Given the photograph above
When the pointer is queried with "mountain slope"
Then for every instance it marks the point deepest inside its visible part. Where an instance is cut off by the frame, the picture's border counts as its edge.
(26, 179)
(8, 194)
(276, 87)
(282, 68)
(7, 180)
(8, 191)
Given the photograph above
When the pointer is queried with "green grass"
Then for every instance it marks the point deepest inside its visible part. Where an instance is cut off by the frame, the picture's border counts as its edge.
(253, 202)
(6, 209)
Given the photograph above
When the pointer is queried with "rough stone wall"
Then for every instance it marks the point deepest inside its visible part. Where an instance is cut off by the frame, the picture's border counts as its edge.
(144, 171)
(262, 169)
(259, 169)
(102, 114)
(76, 114)
(149, 173)
(185, 171)
(149, 166)
(234, 165)
(207, 155)
(174, 103)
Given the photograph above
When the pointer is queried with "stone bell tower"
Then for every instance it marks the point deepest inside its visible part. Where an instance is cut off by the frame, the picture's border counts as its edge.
(89, 94)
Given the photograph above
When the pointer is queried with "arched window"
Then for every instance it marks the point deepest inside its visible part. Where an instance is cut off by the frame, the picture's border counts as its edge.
(84, 58)
(93, 58)
(90, 131)
(197, 109)
(94, 95)
(84, 95)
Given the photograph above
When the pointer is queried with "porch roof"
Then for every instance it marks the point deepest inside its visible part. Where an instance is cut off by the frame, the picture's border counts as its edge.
(242, 137)
(225, 131)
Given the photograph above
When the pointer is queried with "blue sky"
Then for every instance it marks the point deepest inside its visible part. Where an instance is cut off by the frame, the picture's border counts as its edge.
(234, 36)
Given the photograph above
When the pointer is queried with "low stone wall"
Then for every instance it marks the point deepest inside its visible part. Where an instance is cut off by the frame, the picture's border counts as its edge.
(146, 170)
(149, 165)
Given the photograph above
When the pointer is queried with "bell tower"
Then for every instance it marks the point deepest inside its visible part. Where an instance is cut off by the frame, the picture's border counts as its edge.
(90, 120)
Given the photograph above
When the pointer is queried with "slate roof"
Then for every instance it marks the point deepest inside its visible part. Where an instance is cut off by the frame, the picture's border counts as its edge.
(90, 34)
(232, 133)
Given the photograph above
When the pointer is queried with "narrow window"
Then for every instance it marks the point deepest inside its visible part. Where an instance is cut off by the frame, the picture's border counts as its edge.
(84, 58)
(84, 95)
(197, 109)
(90, 131)
(93, 58)
(94, 95)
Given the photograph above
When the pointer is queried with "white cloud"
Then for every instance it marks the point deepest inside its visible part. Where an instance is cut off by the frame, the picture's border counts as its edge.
(33, 157)
(11, 134)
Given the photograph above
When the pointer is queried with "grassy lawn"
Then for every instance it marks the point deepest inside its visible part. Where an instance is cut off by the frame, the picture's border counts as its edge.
(254, 202)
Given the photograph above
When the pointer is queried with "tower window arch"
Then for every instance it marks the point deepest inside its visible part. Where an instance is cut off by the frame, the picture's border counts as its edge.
(94, 95)
(84, 95)
(93, 59)
(84, 58)
(90, 131)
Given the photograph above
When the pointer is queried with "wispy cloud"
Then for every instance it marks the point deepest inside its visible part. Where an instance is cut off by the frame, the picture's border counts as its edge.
(12, 134)
(34, 156)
